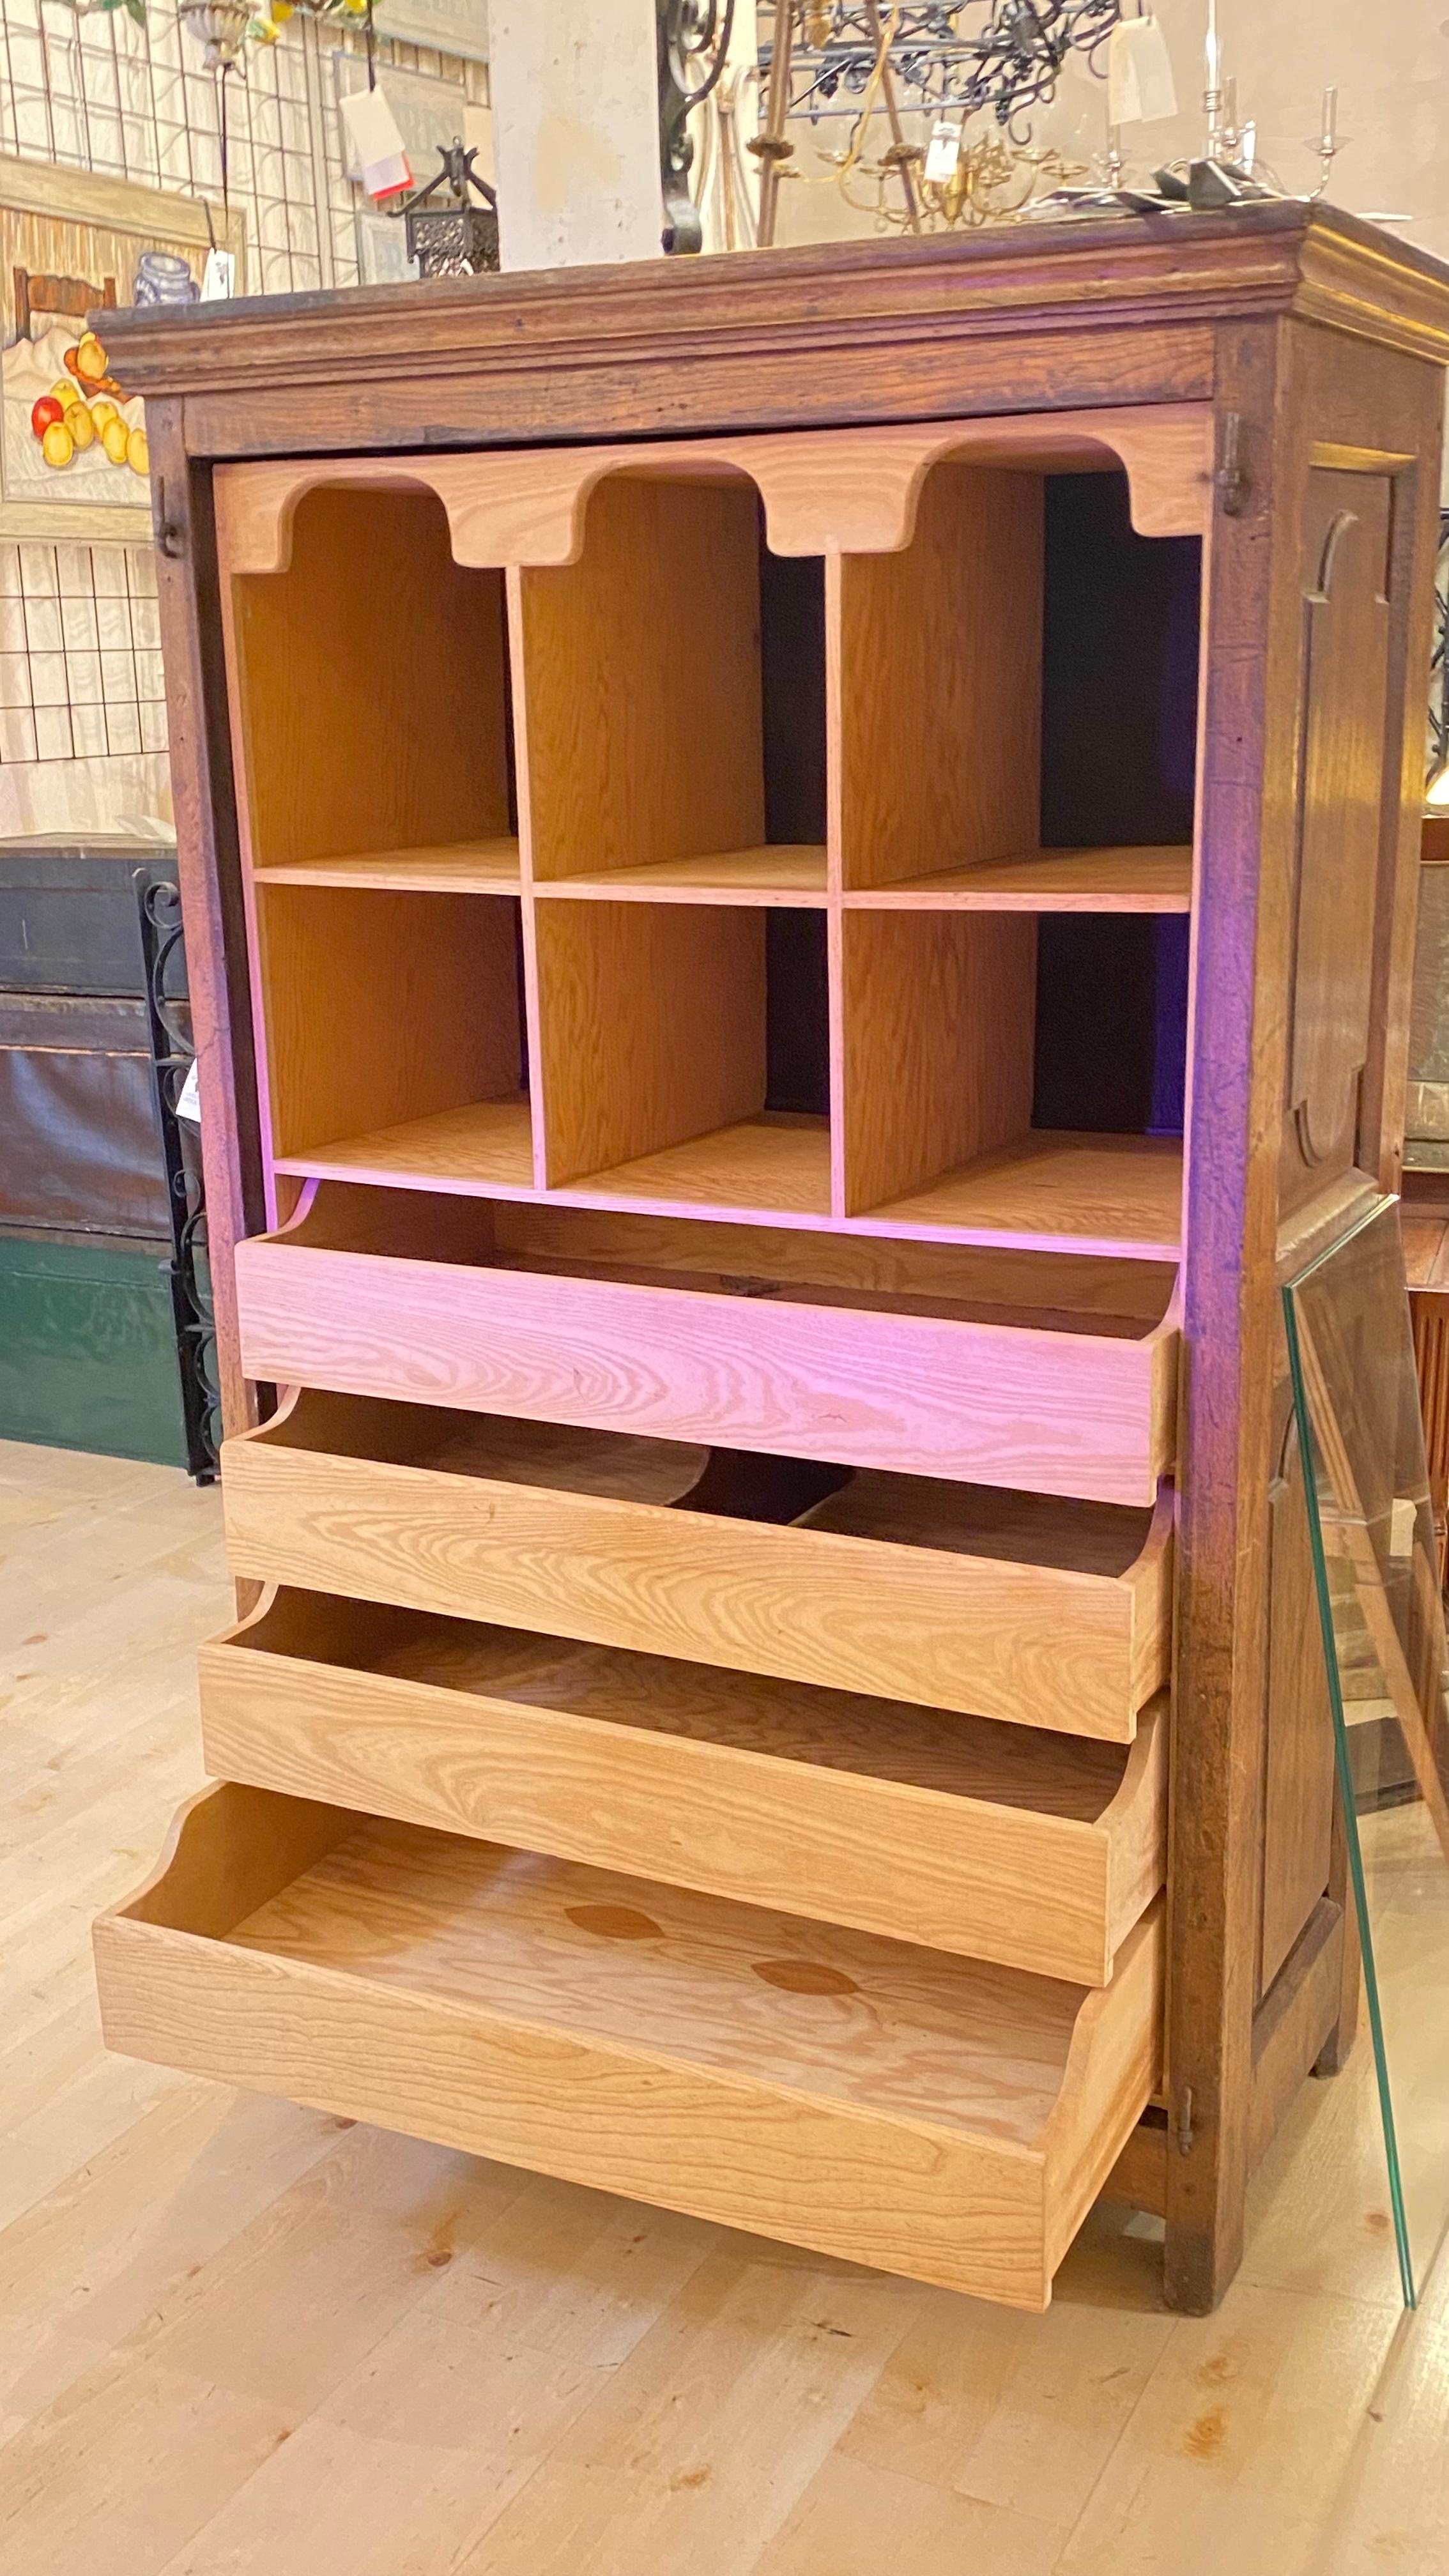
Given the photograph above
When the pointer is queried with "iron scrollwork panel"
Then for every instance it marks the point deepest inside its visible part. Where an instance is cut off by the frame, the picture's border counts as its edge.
(158, 901)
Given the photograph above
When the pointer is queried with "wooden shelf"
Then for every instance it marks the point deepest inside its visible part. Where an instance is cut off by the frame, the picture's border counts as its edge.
(783, 872)
(1079, 1404)
(1006, 1605)
(458, 867)
(486, 1145)
(1119, 880)
(777, 1163)
(996, 1842)
(884, 2103)
(1118, 1195)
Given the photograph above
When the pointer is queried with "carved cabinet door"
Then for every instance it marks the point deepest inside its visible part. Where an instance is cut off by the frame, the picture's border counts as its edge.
(1348, 792)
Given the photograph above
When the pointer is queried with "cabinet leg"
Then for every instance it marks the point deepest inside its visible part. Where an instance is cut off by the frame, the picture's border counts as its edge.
(1193, 2281)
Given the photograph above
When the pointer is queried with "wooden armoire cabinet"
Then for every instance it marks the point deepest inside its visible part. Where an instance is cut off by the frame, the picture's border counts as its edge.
(800, 877)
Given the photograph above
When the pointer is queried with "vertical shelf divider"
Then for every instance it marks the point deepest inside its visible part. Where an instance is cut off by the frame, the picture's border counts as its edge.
(834, 876)
(935, 650)
(513, 581)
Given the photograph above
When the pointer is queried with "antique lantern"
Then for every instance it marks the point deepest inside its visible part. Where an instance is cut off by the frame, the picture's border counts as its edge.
(452, 223)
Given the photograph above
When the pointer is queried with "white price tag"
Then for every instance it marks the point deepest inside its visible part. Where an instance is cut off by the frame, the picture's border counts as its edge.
(377, 145)
(218, 278)
(942, 153)
(1139, 73)
(188, 1098)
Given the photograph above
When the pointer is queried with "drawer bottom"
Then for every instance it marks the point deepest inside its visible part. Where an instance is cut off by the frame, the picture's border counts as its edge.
(932, 2116)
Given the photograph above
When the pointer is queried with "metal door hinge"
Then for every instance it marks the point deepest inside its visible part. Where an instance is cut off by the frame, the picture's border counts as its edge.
(169, 535)
(1184, 2124)
(1230, 480)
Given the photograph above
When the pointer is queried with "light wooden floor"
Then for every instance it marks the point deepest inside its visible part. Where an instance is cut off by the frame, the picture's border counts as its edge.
(237, 2337)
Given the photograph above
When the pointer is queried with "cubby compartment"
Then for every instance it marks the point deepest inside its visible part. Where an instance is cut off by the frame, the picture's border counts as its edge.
(958, 1029)
(995, 1842)
(394, 1035)
(674, 698)
(1007, 1605)
(1017, 822)
(1018, 701)
(370, 686)
(684, 1055)
(942, 2117)
(1049, 1375)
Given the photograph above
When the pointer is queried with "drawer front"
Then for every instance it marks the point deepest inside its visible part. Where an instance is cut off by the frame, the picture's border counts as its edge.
(544, 2042)
(1044, 1412)
(1030, 1644)
(663, 1798)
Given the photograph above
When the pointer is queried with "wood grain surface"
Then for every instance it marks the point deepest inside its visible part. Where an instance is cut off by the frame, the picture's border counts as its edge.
(333, 768)
(871, 2099)
(1119, 1194)
(854, 491)
(894, 331)
(1034, 1850)
(776, 1164)
(1046, 1412)
(651, 1028)
(785, 872)
(940, 645)
(616, 771)
(938, 1027)
(962, 1278)
(1118, 880)
(1008, 1606)
(482, 1145)
(186, 2271)
(455, 867)
(423, 1019)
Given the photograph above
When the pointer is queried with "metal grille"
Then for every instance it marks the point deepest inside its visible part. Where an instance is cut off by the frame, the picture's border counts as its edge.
(100, 93)
(80, 660)
(80, 671)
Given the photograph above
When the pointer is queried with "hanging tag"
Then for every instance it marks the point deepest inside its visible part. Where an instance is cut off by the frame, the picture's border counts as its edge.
(1139, 73)
(218, 278)
(379, 160)
(188, 1098)
(943, 152)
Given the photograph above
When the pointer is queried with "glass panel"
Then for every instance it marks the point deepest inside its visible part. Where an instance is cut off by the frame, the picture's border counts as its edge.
(1351, 1354)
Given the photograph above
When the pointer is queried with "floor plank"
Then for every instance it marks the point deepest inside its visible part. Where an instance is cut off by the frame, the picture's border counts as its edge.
(236, 2335)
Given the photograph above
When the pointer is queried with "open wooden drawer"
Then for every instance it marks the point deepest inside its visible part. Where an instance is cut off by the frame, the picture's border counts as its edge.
(1012, 1606)
(1047, 1372)
(942, 2119)
(1000, 1842)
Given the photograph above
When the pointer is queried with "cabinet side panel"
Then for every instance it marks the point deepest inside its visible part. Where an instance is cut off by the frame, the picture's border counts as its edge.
(1344, 853)
(1298, 1730)
(1311, 775)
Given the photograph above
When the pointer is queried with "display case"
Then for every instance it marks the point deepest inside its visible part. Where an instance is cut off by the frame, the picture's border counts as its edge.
(804, 869)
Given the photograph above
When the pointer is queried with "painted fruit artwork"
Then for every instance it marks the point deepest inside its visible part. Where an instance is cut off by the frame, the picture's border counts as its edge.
(71, 433)
(78, 412)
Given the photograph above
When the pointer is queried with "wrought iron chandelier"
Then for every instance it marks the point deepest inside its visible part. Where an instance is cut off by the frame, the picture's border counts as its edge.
(999, 56)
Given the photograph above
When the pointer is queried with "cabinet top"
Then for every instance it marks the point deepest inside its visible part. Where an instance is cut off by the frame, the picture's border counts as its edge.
(840, 330)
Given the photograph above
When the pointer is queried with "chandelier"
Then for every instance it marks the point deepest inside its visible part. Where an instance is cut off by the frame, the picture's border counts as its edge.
(998, 56)
(993, 61)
